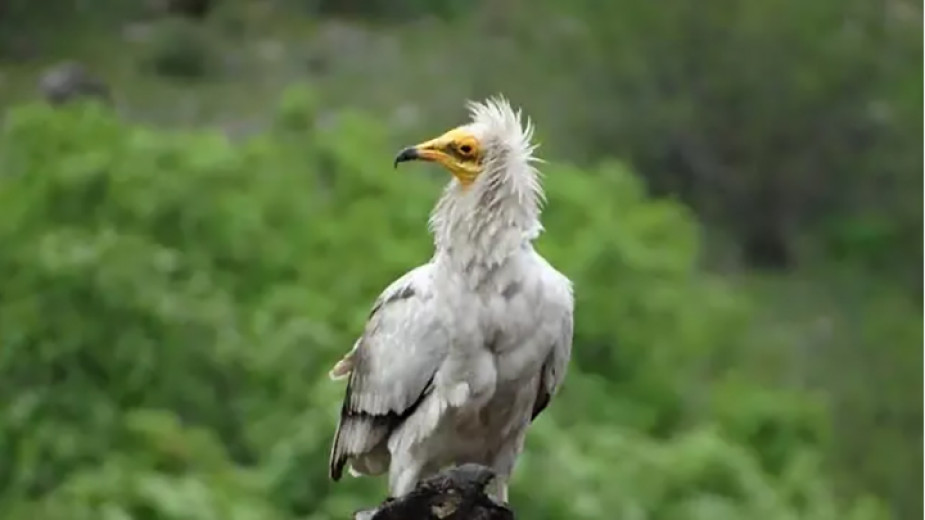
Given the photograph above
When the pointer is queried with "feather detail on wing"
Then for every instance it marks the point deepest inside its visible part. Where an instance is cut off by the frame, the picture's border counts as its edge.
(391, 367)
(556, 364)
(343, 367)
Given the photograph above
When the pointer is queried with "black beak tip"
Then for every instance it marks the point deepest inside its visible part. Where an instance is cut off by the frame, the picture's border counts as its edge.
(408, 154)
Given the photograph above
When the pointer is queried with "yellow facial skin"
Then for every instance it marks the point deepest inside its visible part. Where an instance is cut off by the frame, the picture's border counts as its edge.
(457, 150)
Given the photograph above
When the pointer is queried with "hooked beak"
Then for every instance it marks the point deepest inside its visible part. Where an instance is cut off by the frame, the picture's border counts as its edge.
(427, 151)
(408, 154)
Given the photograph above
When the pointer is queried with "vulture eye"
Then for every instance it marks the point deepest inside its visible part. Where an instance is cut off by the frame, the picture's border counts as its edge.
(466, 149)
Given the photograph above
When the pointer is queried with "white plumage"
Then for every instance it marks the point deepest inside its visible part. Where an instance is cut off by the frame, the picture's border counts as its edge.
(461, 354)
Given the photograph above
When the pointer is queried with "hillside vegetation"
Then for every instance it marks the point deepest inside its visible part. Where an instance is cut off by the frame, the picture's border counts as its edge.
(176, 300)
(734, 187)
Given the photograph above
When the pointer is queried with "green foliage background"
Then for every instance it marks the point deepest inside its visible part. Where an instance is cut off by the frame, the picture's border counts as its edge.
(181, 270)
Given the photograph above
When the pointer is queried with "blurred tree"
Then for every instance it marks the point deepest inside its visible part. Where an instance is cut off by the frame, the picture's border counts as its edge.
(774, 120)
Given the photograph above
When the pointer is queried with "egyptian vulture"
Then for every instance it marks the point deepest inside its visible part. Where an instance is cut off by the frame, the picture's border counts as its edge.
(461, 354)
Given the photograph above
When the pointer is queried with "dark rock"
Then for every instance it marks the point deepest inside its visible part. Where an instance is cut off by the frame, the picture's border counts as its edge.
(70, 80)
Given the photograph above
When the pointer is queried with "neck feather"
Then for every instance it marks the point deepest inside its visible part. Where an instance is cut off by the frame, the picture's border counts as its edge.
(477, 227)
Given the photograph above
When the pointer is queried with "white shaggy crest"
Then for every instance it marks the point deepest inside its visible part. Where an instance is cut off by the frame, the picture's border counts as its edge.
(478, 226)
